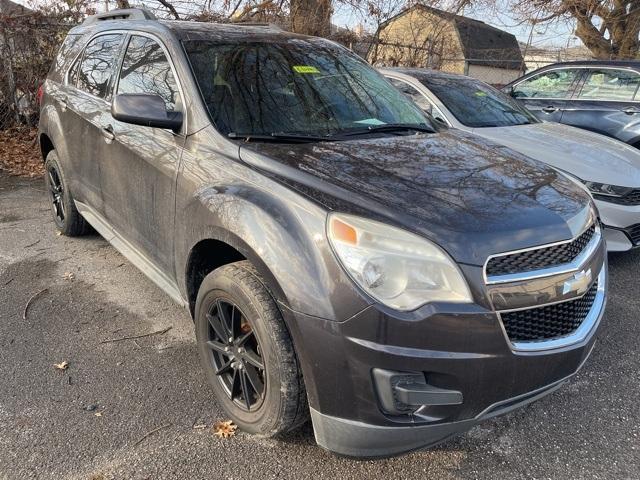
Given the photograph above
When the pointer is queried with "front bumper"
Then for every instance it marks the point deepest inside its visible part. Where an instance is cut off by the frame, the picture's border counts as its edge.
(621, 225)
(358, 439)
(456, 348)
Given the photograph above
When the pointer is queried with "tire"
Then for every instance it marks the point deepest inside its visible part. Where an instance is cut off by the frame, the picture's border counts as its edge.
(65, 215)
(238, 289)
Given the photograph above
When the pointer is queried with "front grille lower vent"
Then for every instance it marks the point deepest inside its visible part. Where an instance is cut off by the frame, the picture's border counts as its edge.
(545, 257)
(634, 233)
(550, 322)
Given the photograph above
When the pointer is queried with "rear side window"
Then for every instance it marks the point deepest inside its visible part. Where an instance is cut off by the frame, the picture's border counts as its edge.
(97, 64)
(146, 69)
(614, 85)
(553, 84)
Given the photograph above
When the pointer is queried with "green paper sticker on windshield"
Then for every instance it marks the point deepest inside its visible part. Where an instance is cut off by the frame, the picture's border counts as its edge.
(480, 94)
(305, 69)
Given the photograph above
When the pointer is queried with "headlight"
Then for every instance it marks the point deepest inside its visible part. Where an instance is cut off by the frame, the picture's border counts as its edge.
(397, 268)
(607, 190)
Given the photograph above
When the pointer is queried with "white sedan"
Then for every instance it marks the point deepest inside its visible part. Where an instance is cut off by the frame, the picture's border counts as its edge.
(609, 168)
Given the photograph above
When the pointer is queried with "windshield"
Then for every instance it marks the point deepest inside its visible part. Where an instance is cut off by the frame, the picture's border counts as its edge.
(476, 104)
(295, 86)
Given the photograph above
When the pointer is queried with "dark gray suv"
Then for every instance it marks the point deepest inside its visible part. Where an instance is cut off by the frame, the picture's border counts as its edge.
(342, 257)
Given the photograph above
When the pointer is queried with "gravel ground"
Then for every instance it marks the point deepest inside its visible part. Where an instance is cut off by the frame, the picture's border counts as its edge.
(89, 421)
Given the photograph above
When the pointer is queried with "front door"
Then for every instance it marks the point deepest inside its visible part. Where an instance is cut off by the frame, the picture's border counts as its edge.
(547, 94)
(138, 176)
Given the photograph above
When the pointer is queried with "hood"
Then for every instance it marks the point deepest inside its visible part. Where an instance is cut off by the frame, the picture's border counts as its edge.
(470, 196)
(587, 155)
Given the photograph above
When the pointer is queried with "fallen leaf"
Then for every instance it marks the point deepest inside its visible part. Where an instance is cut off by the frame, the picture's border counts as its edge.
(69, 275)
(98, 414)
(19, 152)
(58, 233)
(61, 366)
(224, 429)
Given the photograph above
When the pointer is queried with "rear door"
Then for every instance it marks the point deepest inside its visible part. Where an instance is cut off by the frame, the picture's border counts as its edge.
(85, 102)
(548, 93)
(138, 176)
(605, 102)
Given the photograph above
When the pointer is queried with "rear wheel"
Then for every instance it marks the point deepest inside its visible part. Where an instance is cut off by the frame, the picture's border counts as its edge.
(247, 352)
(65, 215)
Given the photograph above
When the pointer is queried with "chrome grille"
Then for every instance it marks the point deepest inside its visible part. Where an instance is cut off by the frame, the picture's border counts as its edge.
(540, 258)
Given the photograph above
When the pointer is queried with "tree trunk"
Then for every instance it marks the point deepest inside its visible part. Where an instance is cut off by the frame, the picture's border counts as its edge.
(311, 17)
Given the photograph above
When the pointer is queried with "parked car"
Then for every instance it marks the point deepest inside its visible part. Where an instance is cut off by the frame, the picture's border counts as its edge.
(340, 254)
(601, 96)
(609, 168)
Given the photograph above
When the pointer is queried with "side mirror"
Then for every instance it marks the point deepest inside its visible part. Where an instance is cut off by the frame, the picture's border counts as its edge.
(144, 109)
(427, 107)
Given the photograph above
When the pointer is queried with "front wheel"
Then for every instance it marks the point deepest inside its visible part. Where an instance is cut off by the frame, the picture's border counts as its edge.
(247, 353)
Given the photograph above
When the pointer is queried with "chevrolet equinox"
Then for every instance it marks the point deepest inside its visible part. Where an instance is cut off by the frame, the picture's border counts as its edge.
(344, 257)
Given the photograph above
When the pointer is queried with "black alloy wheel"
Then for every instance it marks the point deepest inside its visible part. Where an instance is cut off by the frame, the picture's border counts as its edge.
(236, 355)
(56, 193)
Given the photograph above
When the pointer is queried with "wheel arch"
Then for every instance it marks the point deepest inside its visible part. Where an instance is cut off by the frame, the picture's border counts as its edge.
(221, 248)
(46, 145)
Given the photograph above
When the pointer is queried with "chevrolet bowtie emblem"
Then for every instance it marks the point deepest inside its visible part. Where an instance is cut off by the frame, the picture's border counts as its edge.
(578, 284)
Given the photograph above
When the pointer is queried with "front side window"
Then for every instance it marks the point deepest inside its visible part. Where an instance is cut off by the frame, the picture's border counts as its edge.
(297, 86)
(553, 84)
(476, 104)
(614, 85)
(97, 64)
(146, 70)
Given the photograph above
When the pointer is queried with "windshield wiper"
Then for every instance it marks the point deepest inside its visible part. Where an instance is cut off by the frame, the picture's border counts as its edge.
(278, 137)
(389, 127)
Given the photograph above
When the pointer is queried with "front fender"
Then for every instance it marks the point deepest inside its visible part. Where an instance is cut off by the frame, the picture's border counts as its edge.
(281, 232)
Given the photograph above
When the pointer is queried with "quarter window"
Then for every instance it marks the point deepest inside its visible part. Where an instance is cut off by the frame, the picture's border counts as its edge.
(552, 84)
(72, 78)
(146, 70)
(614, 85)
(97, 64)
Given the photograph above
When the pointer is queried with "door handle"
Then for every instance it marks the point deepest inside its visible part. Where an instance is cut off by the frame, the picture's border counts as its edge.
(550, 109)
(631, 110)
(108, 134)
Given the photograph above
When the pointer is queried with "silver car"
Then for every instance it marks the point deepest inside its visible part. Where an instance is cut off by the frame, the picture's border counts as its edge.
(609, 168)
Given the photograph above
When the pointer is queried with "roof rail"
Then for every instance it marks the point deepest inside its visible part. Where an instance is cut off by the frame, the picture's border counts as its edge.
(257, 24)
(121, 14)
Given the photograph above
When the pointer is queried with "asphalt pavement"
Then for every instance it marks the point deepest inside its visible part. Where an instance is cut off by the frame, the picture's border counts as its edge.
(127, 408)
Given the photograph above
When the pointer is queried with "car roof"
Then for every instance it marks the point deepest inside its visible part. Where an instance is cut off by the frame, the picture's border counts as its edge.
(189, 30)
(425, 72)
(608, 63)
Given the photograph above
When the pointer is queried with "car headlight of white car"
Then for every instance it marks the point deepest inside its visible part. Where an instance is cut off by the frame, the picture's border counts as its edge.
(397, 268)
(606, 190)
